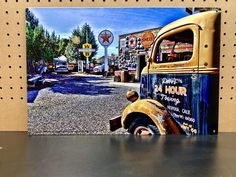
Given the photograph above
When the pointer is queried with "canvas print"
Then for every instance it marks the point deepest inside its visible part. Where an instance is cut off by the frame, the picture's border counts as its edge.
(139, 71)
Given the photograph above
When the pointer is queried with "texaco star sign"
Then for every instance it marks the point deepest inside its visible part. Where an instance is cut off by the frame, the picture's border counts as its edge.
(105, 38)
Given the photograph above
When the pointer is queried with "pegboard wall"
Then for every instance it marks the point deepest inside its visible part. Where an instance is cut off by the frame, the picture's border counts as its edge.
(13, 86)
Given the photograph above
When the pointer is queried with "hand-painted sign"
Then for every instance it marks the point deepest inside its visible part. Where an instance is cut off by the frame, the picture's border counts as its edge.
(132, 42)
(105, 38)
(181, 95)
(147, 39)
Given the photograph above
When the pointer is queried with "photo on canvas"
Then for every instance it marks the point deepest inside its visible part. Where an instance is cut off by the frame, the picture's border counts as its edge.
(141, 71)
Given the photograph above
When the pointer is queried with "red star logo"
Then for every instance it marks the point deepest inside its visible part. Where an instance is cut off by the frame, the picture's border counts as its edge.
(105, 37)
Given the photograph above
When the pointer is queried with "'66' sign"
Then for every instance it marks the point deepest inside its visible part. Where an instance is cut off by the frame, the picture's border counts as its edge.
(105, 38)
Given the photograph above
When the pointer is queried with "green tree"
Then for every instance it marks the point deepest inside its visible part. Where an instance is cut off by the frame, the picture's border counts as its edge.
(31, 19)
(72, 53)
(72, 49)
(62, 46)
(47, 51)
(34, 41)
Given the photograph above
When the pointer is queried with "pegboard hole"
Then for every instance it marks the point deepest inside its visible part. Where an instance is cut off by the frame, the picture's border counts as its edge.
(231, 98)
(234, 56)
(21, 88)
(10, 77)
(233, 66)
(21, 98)
(7, 23)
(224, 34)
(222, 66)
(221, 98)
(6, 12)
(223, 45)
(8, 34)
(18, 45)
(221, 88)
(225, 23)
(18, 23)
(226, 11)
(0, 88)
(20, 66)
(11, 88)
(206, 46)
(222, 77)
(223, 56)
(232, 88)
(232, 77)
(17, 11)
(12, 98)
(8, 45)
(20, 77)
(18, 34)
(9, 56)
(19, 56)
(9, 66)
(1, 98)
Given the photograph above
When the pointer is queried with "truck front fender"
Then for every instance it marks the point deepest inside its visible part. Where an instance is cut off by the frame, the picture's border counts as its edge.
(153, 111)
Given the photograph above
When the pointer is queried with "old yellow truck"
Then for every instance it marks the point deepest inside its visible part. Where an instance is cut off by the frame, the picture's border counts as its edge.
(179, 85)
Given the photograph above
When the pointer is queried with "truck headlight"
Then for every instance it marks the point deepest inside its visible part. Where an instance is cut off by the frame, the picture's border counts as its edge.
(132, 95)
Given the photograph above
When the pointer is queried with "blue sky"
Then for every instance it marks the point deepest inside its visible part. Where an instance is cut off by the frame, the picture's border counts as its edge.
(117, 20)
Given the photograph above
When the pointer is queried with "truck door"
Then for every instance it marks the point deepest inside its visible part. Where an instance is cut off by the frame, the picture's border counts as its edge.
(174, 78)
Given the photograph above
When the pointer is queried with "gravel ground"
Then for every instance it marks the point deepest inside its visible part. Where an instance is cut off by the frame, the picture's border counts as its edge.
(77, 105)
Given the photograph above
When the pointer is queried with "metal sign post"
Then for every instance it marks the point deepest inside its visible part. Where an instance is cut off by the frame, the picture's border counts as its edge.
(105, 38)
(106, 68)
(87, 52)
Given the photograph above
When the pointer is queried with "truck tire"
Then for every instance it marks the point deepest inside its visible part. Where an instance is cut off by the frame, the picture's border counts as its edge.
(143, 126)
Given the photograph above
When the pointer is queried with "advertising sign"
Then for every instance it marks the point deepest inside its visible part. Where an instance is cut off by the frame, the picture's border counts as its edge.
(188, 99)
(87, 53)
(147, 39)
(132, 42)
(105, 38)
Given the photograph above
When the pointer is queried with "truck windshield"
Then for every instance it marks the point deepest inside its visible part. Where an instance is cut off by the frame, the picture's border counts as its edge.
(176, 47)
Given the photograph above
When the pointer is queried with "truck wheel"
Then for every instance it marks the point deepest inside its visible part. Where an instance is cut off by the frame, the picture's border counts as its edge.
(143, 126)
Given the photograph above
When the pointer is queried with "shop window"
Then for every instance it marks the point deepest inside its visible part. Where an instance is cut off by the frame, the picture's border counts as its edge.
(176, 47)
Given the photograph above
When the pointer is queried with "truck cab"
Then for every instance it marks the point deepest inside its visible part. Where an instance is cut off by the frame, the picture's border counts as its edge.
(179, 86)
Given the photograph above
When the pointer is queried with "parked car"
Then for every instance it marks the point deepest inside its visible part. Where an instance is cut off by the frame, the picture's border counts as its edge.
(61, 67)
(99, 69)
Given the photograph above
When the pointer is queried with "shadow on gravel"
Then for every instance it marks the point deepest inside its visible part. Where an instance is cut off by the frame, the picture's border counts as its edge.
(32, 95)
(83, 85)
